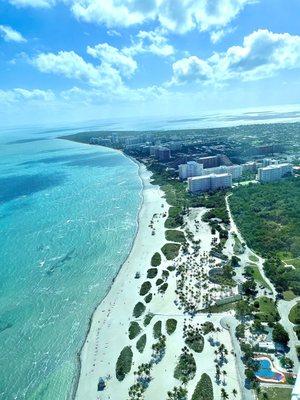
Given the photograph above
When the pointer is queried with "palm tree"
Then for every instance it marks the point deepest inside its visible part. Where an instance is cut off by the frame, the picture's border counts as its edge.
(224, 394)
(234, 392)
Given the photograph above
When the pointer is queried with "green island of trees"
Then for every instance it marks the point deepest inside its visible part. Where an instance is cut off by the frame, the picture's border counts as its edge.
(156, 260)
(204, 389)
(268, 218)
(123, 365)
(171, 250)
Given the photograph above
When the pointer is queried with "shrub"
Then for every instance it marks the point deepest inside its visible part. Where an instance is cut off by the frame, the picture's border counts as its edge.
(204, 389)
(148, 298)
(157, 329)
(151, 273)
(185, 369)
(175, 236)
(159, 282)
(171, 250)
(195, 340)
(163, 288)
(148, 319)
(146, 286)
(134, 330)
(171, 268)
(123, 365)
(165, 274)
(139, 309)
(141, 343)
(171, 325)
(156, 260)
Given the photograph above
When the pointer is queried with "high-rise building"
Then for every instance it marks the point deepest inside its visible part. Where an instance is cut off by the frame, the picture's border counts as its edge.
(235, 171)
(273, 173)
(210, 162)
(164, 154)
(205, 183)
(190, 169)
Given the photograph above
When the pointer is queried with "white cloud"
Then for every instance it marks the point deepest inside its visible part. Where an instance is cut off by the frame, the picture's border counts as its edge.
(262, 55)
(174, 15)
(11, 35)
(33, 3)
(18, 95)
(72, 66)
(112, 56)
(151, 42)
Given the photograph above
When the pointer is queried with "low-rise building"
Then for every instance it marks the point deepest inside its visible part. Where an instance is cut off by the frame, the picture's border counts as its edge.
(273, 173)
(206, 183)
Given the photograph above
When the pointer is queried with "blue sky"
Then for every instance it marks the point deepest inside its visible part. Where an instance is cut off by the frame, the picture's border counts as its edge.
(87, 59)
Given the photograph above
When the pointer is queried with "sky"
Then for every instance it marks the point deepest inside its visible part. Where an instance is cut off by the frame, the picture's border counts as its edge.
(75, 60)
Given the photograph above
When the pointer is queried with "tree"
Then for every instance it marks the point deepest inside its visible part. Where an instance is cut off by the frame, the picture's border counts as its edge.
(234, 392)
(224, 394)
(249, 287)
(242, 309)
(250, 375)
(280, 335)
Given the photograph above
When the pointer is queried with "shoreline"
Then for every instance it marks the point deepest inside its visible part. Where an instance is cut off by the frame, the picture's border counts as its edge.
(78, 355)
(126, 271)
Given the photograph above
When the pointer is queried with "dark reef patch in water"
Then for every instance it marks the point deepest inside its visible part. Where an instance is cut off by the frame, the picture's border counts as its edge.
(16, 186)
(20, 141)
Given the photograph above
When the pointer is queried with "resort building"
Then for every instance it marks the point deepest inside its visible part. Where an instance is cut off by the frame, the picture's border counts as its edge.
(210, 162)
(161, 153)
(268, 347)
(235, 171)
(205, 183)
(273, 173)
(190, 169)
(269, 161)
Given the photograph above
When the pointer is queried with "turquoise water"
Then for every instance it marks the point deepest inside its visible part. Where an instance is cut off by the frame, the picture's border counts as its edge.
(265, 370)
(68, 217)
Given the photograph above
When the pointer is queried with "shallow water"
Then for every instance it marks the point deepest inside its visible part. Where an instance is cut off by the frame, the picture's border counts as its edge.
(68, 217)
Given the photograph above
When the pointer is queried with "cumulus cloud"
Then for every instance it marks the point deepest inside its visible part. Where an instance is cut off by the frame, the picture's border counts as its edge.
(112, 56)
(174, 15)
(262, 54)
(19, 95)
(153, 42)
(73, 66)
(11, 35)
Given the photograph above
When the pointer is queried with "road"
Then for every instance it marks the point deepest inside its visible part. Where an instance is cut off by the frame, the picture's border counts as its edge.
(230, 323)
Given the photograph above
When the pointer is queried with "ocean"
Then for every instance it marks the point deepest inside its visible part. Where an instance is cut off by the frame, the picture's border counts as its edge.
(68, 217)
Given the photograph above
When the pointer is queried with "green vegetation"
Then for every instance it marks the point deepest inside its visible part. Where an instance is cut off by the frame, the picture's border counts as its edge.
(146, 286)
(141, 343)
(185, 369)
(134, 330)
(163, 288)
(253, 258)
(148, 318)
(294, 315)
(157, 329)
(289, 295)
(175, 236)
(175, 219)
(266, 310)
(268, 217)
(170, 250)
(238, 248)
(194, 340)
(139, 309)
(123, 365)
(223, 276)
(151, 273)
(253, 270)
(171, 325)
(204, 389)
(280, 335)
(275, 393)
(156, 260)
(148, 298)
(207, 327)
(159, 281)
(221, 308)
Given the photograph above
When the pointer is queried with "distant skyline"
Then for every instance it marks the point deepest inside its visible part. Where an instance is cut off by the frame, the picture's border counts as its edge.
(64, 60)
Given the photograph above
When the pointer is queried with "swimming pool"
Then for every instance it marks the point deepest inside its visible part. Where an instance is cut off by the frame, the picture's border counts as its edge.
(267, 372)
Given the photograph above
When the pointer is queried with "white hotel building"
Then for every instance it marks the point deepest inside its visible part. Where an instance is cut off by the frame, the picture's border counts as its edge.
(205, 183)
(235, 171)
(190, 169)
(275, 172)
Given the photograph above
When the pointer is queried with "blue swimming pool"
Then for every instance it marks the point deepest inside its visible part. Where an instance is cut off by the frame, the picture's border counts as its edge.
(266, 372)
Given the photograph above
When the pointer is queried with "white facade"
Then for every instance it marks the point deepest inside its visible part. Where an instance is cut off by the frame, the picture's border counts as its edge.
(235, 171)
(190, 169)
(273, 173)
(205, 183)
(269, 161)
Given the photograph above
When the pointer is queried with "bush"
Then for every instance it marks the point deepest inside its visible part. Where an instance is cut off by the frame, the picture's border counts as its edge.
(148, 298)
(159, 282)
(163, 288)
(175, 219)
(171, 250)
(139, 309)
(175, 236)
(185, 369)
(157, 329)
(141, 343)
(204, 389)
(165, 274)
(280, 335)
(171, 325)
(146, 286)
(148, 319)
(156, 260)
(123, 365)
(195, 341)
(151, 273)
(134, 330)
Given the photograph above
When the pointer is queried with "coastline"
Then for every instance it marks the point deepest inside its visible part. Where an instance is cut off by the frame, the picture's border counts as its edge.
(103, 312)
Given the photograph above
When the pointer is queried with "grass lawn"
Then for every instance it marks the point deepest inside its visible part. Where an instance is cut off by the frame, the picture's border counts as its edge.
(294, 315)
(238, 248)
(266, 309)
(276, 393)
(220, 308)
(289, 295)
(258, 276)
(253, 258)
(293, 261)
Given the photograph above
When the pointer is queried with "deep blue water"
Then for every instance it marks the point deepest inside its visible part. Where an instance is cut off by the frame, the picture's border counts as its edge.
(68, 217)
